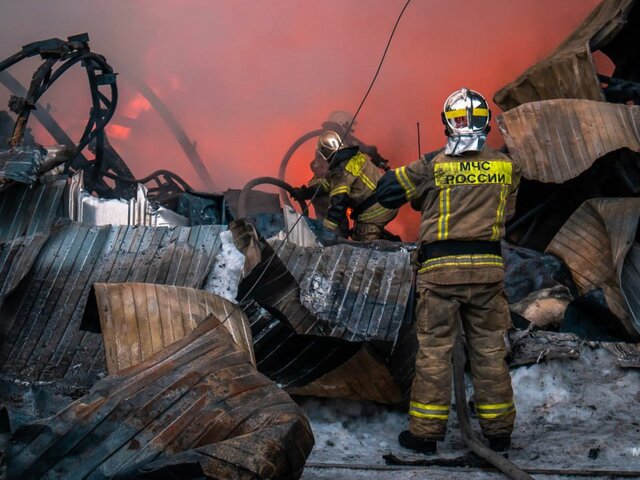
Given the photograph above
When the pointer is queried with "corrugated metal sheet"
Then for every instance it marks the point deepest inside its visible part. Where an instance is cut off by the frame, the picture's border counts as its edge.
(138, 320)
(294, 346)
(298, 229)
(556, 140)
(85, 208)
(288, 358)
(197, 408)
(364, 376)
(43, 314)
(27, 210)
(594, 244)
(354, 292)
(16, 258)
(569, 71)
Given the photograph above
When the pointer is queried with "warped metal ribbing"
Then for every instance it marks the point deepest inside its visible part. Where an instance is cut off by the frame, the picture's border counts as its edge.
(365, 376)
(137, 320)
(43, 316)
(29, 209)
(595, 244)
(556, 140)
(569, 71)
(356, 293)
(291, 359)
(196, 409)
(312, 309)
(16, 258)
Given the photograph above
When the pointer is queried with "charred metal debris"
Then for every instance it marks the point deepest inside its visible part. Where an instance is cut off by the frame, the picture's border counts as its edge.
(119, 356)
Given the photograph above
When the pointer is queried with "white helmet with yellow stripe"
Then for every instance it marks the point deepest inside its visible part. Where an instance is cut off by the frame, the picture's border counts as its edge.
(466, 115)
(466, 111)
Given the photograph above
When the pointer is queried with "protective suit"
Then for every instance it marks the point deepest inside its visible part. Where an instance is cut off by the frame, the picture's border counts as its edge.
(352, 182)
(343, 124)
(465, 195)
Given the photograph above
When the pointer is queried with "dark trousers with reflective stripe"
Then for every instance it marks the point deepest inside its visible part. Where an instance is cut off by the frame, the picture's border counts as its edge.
(373, 229)
(485, 317)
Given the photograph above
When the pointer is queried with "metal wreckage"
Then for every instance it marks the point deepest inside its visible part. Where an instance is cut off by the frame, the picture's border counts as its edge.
(117, 359)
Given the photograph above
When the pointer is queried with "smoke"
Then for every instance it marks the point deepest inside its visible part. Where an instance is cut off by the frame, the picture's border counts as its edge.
(247, 77)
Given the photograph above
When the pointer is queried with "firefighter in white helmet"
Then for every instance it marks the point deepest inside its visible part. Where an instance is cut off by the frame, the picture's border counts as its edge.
(465, 195)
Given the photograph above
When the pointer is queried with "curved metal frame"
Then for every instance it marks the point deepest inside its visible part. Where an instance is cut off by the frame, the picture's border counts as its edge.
(99, 73)
(182, 138)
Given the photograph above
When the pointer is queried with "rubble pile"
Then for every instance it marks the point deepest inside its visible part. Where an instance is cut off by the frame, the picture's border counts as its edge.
(150, 330)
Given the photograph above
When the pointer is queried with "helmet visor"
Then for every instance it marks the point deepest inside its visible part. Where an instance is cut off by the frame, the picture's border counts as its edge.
(325, 152)
(461, 122)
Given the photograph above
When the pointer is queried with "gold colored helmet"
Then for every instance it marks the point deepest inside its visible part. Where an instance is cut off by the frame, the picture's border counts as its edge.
(466, 112)
(328, 144)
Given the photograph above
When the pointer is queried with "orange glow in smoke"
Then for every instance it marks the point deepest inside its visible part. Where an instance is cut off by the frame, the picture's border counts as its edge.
(118, 132)
(135, 107)
(246, 78)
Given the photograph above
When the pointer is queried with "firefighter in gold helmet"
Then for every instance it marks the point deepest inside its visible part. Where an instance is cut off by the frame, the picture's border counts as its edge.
(352, 179)
(465, 195)
(317, 189)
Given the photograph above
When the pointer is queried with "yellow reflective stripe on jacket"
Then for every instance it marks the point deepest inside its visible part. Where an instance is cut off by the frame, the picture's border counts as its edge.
(314, 182)
(367, 181)
(494, 410)
(423, 410)
(354, 167)
(473, 260)
(462, 112)
(339, 190)
(481, 172)
(445, 212)
(329, 224)
(502, 204)
(376, 212)
(404, 181)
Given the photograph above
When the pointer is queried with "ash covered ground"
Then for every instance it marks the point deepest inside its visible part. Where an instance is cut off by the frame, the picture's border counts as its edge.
(572, 414)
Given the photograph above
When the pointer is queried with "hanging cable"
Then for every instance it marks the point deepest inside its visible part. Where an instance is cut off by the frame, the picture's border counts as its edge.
(318, 188)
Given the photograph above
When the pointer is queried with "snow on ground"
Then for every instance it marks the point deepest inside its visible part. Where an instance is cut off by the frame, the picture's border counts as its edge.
(578, 414)
(226, 272)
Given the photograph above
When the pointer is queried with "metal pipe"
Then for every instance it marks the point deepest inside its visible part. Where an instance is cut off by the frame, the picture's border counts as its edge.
(41, 113)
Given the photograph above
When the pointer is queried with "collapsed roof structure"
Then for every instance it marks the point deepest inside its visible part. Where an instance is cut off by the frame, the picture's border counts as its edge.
(115, 339)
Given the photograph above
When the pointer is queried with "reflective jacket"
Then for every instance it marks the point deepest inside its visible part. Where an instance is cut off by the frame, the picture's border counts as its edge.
(318, 190)
(352, 182)
(465, 202)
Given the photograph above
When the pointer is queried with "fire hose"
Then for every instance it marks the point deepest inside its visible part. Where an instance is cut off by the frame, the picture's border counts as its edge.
(503, 464)
(289, 153)
(244, 194)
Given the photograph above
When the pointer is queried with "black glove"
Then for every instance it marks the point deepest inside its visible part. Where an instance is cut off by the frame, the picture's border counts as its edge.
(301, 193)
